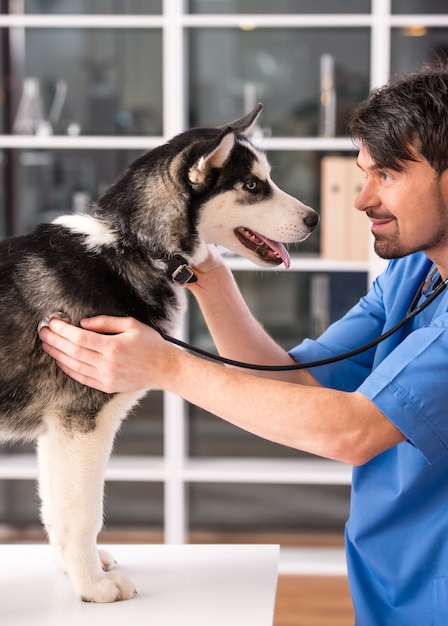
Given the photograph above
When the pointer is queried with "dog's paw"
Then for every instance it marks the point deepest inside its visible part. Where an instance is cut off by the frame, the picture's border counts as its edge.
(109, 588)
(107, 560)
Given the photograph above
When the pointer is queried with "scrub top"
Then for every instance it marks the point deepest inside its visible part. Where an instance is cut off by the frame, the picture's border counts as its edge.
(397, 532)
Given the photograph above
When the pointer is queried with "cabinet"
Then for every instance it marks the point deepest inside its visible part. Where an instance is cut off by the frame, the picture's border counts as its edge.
(135, 76)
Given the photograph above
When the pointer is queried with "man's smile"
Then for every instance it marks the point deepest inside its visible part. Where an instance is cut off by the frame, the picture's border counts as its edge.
(380, 223)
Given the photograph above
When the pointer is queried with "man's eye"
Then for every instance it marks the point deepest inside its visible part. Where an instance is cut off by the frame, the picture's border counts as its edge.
(251, 185)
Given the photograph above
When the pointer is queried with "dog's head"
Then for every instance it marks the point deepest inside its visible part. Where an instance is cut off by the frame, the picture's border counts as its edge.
(238, 205)
(206, 185)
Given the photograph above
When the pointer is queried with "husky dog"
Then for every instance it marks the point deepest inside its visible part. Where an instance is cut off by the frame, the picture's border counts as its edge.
(129, 257)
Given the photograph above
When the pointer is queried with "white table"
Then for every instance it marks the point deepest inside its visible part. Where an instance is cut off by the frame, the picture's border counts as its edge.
(187, 585)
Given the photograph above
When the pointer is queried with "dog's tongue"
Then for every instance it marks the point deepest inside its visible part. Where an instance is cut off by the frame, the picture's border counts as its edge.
(279, 248)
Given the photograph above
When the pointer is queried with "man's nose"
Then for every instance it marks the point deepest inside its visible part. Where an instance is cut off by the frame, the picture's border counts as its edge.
(367, 196)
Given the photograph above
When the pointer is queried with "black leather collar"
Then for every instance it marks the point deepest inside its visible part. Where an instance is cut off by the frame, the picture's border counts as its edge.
(179, 271)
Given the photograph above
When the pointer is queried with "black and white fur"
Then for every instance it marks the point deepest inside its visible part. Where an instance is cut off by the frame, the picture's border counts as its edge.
(208, 185)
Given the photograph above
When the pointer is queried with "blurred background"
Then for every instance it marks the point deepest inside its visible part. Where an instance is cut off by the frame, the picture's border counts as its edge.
(87, 86)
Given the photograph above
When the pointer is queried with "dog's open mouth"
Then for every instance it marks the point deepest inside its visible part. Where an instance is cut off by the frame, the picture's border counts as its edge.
(269, 251)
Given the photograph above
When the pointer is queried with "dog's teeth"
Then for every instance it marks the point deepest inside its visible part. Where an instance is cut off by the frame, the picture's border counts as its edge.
(266, 249)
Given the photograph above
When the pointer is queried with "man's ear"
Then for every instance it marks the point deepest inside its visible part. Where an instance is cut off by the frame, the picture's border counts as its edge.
(214, 159)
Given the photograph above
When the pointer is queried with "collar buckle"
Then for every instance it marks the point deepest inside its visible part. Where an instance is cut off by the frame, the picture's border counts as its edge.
(179, 271)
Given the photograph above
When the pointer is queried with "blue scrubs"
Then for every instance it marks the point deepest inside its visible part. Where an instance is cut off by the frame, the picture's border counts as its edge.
(397, 533)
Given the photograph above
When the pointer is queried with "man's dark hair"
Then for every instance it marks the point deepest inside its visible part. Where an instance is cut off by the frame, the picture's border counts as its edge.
(406, 118)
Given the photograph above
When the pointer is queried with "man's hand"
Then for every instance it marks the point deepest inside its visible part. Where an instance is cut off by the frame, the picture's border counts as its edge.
(126, 358)
(212, 262)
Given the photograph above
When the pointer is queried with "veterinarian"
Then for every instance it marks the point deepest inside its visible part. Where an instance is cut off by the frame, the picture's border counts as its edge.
(384, 411)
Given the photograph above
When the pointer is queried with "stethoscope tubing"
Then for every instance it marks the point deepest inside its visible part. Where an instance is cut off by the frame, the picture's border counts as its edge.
(412, 312)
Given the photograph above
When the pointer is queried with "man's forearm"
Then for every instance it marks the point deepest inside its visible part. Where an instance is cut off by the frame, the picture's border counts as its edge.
(236, 332)
(334, 424)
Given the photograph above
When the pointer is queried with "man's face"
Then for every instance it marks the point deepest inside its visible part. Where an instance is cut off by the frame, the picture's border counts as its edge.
(408, 210)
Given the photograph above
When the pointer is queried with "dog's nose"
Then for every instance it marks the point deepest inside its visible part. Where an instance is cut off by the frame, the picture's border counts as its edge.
(311, 219)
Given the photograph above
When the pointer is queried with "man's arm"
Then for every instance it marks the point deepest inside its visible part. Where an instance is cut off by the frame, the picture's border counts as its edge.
(236, 333)
(339, 425)
(292, 410)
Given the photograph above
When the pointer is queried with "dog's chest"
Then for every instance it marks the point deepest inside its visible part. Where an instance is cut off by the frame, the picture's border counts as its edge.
(155, 301)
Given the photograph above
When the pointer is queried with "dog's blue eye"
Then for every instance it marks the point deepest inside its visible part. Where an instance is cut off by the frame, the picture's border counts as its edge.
(251, 185)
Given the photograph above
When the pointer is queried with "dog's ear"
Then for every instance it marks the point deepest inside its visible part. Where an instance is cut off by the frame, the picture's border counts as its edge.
(215, 158)
(218, 154)
(244, 125)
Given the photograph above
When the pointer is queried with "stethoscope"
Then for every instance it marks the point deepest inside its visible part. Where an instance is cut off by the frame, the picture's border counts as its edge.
(412, 311)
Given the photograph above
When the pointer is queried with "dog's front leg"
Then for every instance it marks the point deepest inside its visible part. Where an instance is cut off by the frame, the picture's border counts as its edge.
(71, 483)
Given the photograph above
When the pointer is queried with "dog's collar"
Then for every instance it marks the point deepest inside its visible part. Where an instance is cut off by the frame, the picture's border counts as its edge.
(179, 271)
